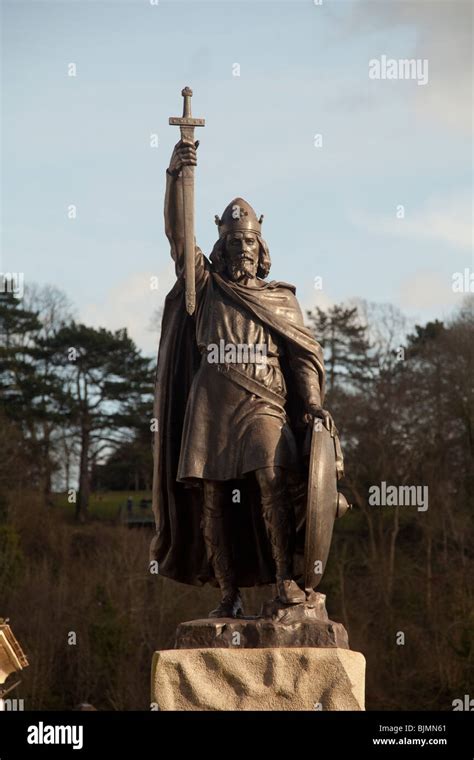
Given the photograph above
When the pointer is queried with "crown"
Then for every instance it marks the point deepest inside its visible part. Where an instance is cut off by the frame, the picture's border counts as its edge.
(239, 216)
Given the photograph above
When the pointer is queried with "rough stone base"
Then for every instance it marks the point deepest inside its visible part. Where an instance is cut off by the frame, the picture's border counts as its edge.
(259, 633)
(258, 679)
(279, 625)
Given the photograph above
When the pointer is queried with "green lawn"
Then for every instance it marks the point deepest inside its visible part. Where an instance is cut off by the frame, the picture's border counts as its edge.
(105, 505)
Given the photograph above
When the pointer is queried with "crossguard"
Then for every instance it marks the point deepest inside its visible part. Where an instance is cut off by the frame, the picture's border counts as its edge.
(186, 120)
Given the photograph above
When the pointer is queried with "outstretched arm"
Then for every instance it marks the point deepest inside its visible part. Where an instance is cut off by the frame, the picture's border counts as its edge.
(184, 154)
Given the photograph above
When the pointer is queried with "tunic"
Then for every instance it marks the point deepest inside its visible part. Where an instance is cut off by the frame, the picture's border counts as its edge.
(229, 430)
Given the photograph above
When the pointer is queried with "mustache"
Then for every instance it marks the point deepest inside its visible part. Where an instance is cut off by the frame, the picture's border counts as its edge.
(243, 257)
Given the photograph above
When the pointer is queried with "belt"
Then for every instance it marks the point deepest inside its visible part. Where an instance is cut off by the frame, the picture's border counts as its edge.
(251, 385)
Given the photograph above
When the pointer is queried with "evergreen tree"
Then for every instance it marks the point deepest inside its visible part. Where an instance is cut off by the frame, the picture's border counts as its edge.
(346, 348)
(106, 383)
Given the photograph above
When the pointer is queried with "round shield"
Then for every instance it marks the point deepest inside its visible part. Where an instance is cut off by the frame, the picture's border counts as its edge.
(322, 504)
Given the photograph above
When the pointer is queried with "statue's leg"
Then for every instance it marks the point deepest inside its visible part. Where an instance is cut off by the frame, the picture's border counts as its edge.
(279, 520)
(219, 549)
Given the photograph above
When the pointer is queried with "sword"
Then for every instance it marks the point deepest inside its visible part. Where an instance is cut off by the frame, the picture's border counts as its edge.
(186, 123)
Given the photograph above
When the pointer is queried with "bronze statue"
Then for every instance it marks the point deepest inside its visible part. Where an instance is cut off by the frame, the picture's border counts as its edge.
(236, 424)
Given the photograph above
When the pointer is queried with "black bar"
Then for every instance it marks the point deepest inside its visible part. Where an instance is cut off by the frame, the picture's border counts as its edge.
(156, 734)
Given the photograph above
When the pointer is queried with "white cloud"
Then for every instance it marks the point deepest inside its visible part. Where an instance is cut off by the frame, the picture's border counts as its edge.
(318, 298)
(131, 304)
(426, 290)
(443, 37)
(446, 220)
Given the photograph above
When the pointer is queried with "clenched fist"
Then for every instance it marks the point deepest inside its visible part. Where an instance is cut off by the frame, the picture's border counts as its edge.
(184, 154)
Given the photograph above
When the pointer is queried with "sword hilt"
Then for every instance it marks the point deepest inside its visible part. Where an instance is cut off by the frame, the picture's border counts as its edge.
(187, 119)
(187, 94)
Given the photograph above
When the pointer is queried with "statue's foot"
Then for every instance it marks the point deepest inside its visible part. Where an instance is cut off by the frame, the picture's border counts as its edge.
(229, 606)
(289, 592)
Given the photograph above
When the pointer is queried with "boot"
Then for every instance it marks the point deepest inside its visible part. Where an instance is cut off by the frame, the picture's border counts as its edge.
(229, 606)
(219, 552)
(279, 520)
(289, 592)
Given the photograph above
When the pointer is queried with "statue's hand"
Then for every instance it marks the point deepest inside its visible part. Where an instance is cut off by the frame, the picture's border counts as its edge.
(314, 410)
(184, 154)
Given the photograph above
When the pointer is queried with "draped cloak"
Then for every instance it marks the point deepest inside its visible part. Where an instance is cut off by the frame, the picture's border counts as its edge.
(178, 545)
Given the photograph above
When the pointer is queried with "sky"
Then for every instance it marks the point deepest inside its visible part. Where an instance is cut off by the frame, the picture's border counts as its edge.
(379, 206)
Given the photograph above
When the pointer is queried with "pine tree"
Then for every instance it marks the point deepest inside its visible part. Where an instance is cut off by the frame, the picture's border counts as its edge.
(346, 348)
(106, 383)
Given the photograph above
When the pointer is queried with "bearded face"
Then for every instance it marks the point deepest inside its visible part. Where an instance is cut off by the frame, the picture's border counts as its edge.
(242, 256)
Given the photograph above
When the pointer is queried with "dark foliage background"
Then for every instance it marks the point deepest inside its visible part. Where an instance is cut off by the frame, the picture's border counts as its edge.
(77, 587)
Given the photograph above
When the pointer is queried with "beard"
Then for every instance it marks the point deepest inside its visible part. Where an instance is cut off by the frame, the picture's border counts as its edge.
(239, 268)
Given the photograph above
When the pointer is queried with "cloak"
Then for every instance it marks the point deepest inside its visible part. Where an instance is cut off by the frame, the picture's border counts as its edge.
(178, 545)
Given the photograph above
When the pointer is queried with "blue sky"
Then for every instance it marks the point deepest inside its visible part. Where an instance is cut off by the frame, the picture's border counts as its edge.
(330, 211)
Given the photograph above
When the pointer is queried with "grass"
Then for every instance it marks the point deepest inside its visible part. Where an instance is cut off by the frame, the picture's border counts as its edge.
(105, 505)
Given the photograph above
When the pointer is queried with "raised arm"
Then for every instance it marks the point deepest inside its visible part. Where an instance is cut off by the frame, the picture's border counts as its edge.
(184, 154)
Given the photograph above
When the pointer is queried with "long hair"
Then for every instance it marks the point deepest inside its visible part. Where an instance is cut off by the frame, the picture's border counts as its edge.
(217, 257)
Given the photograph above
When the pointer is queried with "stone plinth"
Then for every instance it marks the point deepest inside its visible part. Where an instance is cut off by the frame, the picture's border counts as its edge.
(278, 625)
(259, 633)
(285, 678)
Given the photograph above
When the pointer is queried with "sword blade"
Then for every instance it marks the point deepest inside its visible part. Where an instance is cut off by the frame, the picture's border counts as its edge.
(189, 253)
